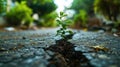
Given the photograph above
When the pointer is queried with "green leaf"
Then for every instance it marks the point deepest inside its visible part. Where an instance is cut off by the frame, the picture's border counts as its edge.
(64, 15)
(61, 13)
(70, 32)
(64, 27)
(63, 32)
(58, 31)
(61, 29)
(58, 20)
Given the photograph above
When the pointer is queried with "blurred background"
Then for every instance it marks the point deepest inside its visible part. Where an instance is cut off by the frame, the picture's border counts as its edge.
(89, 15)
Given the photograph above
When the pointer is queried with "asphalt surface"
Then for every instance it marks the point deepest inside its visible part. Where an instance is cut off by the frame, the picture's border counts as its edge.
(26, 48)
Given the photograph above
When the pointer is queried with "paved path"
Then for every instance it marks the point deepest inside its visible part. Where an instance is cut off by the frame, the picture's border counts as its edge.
(106, 56)
(25, 48)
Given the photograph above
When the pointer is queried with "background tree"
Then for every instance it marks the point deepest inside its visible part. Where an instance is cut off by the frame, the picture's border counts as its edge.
(42, 7)
(20, 14)
(18, 0)
(49, 20)
(109, 8)
(3, 4)
(86, 5)
(80, 19)
(45, 10)
(84, 11)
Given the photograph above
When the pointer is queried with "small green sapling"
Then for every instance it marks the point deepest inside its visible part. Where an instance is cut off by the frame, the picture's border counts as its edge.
(64, 23)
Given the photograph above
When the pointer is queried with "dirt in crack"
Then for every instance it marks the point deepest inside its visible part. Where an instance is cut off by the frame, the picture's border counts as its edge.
(66, 56)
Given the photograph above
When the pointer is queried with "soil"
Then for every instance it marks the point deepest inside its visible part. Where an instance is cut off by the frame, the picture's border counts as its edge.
(69, 57)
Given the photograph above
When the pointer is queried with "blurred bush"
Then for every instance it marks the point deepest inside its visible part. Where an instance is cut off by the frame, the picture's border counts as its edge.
(2, 6)
(110, 9)
(48, 20)
(80, 20)
(20, 14)
(42, 7)
(45, 10)
(86, 5)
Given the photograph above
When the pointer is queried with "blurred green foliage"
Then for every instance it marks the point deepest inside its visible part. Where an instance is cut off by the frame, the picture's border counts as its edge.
(20, 14)
(86, 5)
(33, 1)
(81, 18)
(42, 7)
(48, 20)
(109, 8)
(42, 1)
(46, 11)
(83, 9)
(2, 6)
(18, 0)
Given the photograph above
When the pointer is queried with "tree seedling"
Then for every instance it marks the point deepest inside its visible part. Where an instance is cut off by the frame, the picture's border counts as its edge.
(63, 32)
